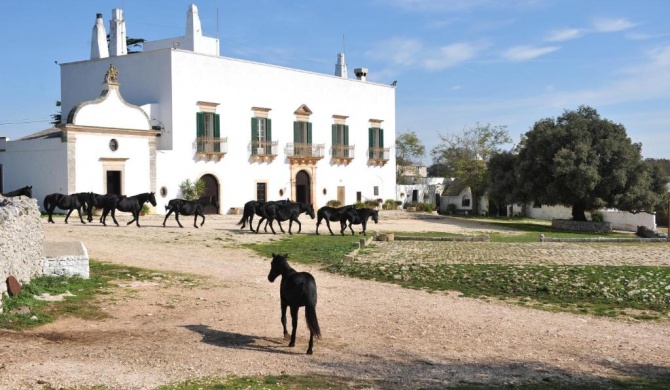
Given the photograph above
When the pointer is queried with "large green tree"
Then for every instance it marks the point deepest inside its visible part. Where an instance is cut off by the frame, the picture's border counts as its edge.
(586, 162)
(466, 155)
(503, 180)
(409, 151)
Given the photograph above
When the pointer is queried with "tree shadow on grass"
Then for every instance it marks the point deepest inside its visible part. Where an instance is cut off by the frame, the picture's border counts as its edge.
(413, 372)
(225, 339)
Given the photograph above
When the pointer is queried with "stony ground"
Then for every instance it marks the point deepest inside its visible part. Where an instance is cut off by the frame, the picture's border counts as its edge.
(169, 330)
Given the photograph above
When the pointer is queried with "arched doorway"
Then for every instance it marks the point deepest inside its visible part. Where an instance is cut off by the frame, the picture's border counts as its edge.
(211, 189)
(303, 187)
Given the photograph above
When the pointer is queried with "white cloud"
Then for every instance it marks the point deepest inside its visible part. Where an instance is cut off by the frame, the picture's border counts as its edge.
(406, 53)
(612, 25)
(565, 34)
(448, 56)
(525, 53)
(455, 88)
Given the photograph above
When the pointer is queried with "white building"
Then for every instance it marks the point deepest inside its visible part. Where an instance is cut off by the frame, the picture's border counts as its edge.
(178, 110)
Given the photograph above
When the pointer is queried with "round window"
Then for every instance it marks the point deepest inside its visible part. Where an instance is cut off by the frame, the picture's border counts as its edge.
(113, 144)
(163, 191)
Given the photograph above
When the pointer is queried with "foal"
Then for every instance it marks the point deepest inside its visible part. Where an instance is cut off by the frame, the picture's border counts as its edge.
(297, 289)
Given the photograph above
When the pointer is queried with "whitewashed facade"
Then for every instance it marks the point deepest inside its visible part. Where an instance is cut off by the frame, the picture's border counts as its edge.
(251, 130)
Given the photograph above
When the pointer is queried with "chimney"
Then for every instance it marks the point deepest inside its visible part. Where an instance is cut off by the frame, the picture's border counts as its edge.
(341, 67)
(99, 39)
(193, 27)
(361, 73)
(117, 34)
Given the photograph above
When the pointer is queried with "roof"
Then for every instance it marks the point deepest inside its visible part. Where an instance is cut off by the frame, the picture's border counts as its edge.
(455, 188)
(52, 132)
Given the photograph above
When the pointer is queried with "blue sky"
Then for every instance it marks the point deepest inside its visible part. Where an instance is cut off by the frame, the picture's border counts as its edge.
(457, 62)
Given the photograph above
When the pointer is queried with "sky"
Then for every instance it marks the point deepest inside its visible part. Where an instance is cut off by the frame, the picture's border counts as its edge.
(457, 63)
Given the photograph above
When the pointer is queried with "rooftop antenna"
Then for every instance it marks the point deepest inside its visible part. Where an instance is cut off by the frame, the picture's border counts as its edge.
(217, 22)
(344, 47)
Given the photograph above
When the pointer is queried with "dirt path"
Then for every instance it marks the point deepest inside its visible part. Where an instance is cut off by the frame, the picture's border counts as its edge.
(170, 331)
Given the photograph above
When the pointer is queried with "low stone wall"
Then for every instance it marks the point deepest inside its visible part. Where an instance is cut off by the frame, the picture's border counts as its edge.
(21, 240)
(66, 259)
(582, 226)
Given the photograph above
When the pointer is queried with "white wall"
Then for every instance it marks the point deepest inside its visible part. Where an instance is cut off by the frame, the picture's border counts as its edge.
(620, 220)
(40, 163)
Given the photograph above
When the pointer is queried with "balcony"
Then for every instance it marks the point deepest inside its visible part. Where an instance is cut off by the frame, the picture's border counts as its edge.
(342, 154)
(263, 151)
(299, 153)
(378, 156)
(212, 148)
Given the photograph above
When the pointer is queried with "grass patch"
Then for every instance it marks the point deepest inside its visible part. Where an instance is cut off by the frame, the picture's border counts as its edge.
(25, 311)
(293, 382)
(599, 290)
(308, 249)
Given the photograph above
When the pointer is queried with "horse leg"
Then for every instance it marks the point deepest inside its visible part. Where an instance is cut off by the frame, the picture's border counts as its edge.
(114, 216)
(294, 323)
(299, 226)
(258, 228)
(350, 228)
(166, 217)
(281, 228)
(176, 216)
(290, 223)
(80, 218)
(311, 342)
(283, 319)
(68, 214)
(364, 224)
(271, 227)
(203, 219)
(329, 229)
(318, 222)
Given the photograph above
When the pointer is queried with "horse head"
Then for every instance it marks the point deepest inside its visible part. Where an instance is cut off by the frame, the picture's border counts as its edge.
(279, 263)
(152, 198)
(375, 215)
(29, 191)
(309, 209)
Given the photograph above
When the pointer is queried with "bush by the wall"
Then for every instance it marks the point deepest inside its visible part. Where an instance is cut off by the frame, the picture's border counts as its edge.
(334, 203)
(597, 216)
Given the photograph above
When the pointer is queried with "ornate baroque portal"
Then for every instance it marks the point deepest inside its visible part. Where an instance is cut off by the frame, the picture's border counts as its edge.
(302, 183)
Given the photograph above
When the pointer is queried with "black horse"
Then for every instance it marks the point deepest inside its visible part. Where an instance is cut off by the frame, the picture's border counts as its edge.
(63, 202)
(25, 191)
(297, 289)
(334, 214)
(189, 207)
(361, 218)
(132, 204)
(277, 211)
(255, 207)
(94, 200)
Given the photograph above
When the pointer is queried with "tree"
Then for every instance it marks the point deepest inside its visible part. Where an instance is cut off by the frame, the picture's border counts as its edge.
(438, 170)
(583, 161)
(466, 156)
(192, 190)
(503, 181)
(56, 118)
(408, 153)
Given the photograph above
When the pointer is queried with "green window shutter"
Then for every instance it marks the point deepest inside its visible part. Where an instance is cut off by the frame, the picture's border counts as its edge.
(309, 132)
(217, 133)
(268, 136)
(371, 141)
(334, 138)
(200, 130)
(296, 132)
(254, 135)
(381, 138)
(345, 141)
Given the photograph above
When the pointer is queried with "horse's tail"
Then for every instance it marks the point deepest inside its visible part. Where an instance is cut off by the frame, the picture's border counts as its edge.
(310, 309)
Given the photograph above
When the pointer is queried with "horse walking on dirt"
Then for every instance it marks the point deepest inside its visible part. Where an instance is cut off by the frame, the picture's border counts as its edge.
(334, 214)
(255, 207)
(297, 289)
(25, 191)
(189, 207)
(361, 218)
(276, 211)
(63, 202)
(131, 204)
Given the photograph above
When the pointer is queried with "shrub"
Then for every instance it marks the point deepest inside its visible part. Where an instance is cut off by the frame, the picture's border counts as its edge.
(334, 203)
(427, 207)
(145, 209)
(360, 205)
(192, 190)
(597, 216)
(390, 204)
(372, 203)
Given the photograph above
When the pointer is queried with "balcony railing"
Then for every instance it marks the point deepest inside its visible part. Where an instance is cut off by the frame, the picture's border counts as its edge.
(304, 153)
(263, 150)
(378, 156)
(342, 154)
(212, 146)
